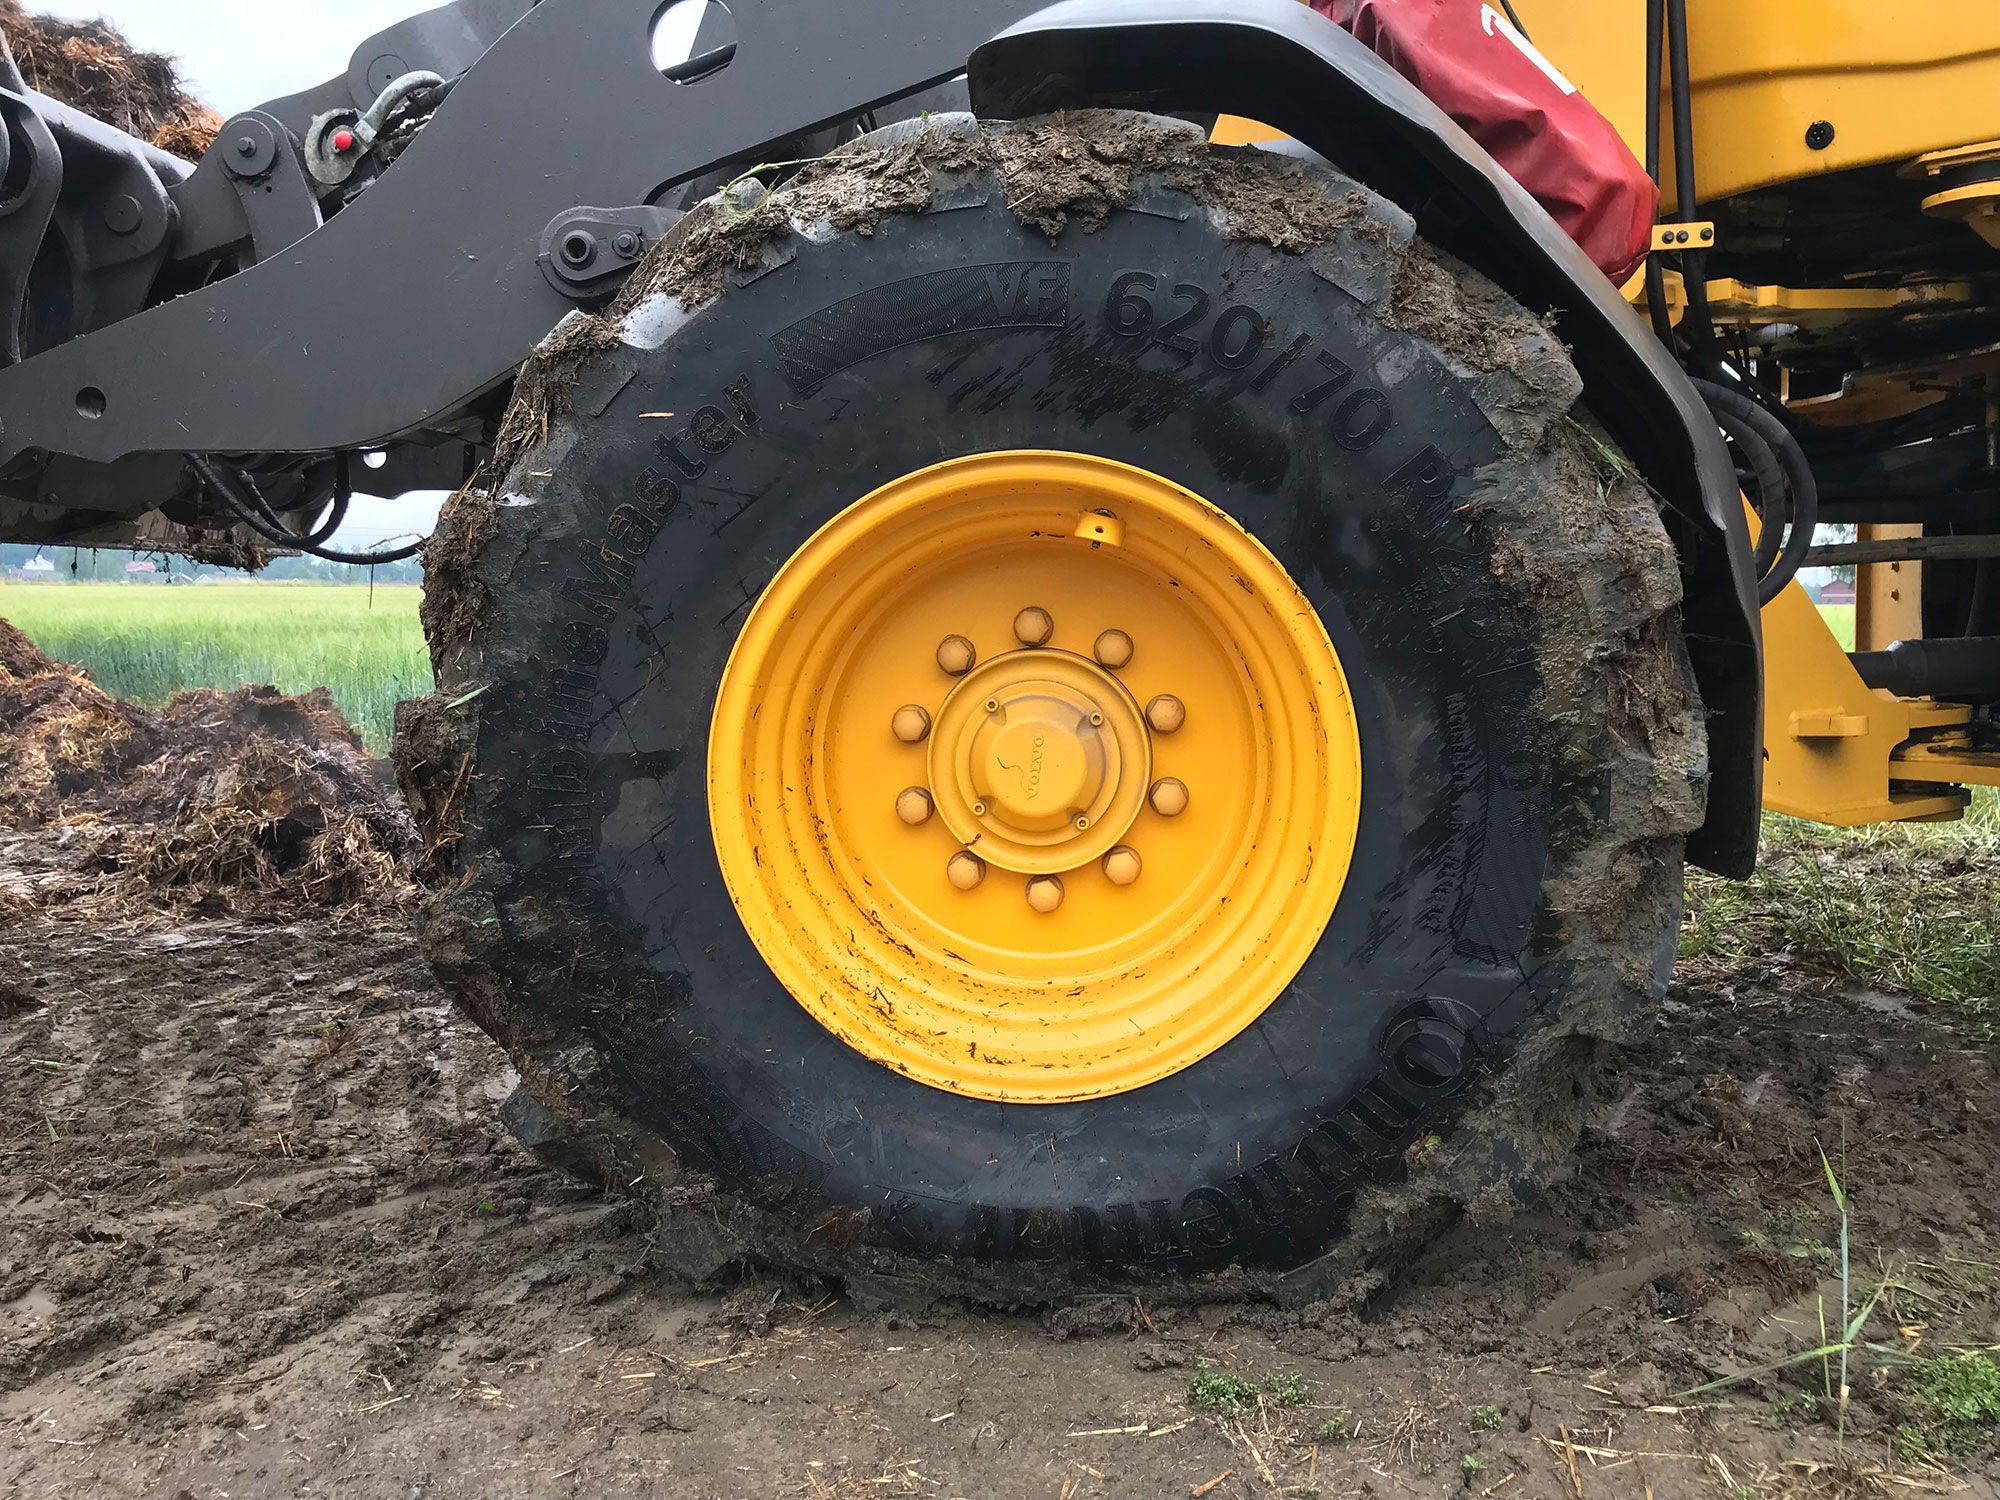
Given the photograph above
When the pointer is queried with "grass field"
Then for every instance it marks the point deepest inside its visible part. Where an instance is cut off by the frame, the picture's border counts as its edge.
(146, 642)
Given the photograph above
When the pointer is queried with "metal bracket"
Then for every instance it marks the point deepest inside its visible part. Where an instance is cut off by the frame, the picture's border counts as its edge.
(250, 189)
(1696, 234)
(31, 160)
(586, 253)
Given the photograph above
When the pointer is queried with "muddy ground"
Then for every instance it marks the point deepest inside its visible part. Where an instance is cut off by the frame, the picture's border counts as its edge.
(265, 1235)
(262, 1231)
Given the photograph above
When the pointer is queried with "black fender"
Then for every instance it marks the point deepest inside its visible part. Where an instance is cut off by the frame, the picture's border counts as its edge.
(1280, 63)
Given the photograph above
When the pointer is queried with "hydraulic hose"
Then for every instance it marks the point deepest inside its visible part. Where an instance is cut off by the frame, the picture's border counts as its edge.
(1693, 262)
(1656, 276)
(1752, 426)
(248, 506)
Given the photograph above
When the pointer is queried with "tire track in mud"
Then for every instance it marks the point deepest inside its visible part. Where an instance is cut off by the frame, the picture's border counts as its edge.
(398, 1290)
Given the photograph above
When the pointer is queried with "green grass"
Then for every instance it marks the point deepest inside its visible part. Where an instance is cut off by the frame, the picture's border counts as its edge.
(1840, 620)
(146, 642)
(1910, 906)
(1220, 1390)
(1964, 1391)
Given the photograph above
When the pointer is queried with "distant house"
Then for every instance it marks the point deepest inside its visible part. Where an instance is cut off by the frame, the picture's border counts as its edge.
(141, 571)
(35, 567)
(1837, 591)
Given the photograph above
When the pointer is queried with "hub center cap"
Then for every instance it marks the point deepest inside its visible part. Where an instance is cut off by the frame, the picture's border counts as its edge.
(1040, 760)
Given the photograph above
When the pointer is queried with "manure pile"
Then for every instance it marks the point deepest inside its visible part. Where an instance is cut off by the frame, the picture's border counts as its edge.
(89, 65)
(243, 797)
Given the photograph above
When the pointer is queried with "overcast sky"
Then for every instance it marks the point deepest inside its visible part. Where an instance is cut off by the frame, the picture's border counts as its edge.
(234, 55)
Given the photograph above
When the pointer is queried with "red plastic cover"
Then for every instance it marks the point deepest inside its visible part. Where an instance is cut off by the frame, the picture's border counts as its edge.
(1471, 62)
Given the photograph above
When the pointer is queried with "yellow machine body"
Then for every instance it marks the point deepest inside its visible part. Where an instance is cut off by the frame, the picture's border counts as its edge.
(1783, 93)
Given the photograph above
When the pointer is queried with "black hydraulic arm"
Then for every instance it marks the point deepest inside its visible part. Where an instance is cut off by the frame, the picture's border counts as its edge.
(426, 289)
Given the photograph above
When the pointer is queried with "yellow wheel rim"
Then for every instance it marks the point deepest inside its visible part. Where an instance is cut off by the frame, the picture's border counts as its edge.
(1034, 777)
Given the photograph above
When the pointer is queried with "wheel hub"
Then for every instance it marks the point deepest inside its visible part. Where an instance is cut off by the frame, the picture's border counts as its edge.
(1033, 776)
(1039, 761)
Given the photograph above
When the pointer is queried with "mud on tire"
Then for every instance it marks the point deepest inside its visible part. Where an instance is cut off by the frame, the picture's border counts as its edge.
(1404, 439)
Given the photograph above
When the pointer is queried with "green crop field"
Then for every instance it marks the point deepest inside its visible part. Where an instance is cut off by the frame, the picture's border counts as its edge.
(146, 642)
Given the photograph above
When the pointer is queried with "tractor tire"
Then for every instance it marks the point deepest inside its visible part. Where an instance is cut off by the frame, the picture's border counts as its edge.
(1472, 714)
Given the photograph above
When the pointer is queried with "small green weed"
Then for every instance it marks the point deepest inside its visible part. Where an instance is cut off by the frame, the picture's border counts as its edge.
(1801, 1409)
(1485, 1419)
(1220, 1390)
(1289, 1389)
(1911, 1442)
(1964, 1390)
(1472, 1464)
(1334, 1428)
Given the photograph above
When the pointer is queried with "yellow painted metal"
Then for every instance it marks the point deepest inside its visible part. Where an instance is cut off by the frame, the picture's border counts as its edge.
(1830, 741)
(1893, 84)
(1600, 46)
(1974, 204)
(1888, 597)
(1057, 968)
(1690, 234)
(1750, 305)
(1234, 130)
(1948, 756)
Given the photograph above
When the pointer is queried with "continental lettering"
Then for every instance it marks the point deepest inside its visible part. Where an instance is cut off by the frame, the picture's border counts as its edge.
(606, 572)
(672, 446)
(584, 643)
(656, 493)
(632, 529)
(563, 701)
(738, 392)
(713, 430)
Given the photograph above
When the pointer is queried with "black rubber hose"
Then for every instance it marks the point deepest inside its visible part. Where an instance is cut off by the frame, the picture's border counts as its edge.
(343, 494)
(336, 513)
(1761, 426)
(1656, 276)
(1769, 495)
(247, 511)
(1693, 262)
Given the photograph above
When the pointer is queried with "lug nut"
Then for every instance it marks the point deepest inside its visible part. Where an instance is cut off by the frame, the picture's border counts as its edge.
(910, 723)
(1112, 649)
(955, 655)
(1045, 893)
(965, 870)
(1121, 864)
(1166, 713)
(1033, 626)
(1169, 796)
(914, 805)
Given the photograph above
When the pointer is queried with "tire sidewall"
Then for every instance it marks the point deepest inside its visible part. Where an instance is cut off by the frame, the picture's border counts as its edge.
(631, 547)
